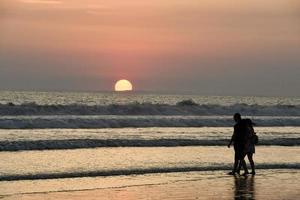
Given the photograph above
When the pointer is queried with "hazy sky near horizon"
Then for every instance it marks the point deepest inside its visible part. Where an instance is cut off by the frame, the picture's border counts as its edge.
(217, 47)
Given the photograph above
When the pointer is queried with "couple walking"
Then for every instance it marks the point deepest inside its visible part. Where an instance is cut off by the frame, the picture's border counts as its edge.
(244, 139)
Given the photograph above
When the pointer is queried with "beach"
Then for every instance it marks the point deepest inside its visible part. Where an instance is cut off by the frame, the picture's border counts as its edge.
(267, 184)
(147, 173)
(143, 147)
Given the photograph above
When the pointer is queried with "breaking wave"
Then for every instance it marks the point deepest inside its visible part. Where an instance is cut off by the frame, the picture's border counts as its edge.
(187, 107)
(93, 143)
(183, 114)
(120, 121)
(140, 171)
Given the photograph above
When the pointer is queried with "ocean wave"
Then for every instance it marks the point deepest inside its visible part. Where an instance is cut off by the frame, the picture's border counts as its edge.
(121, 172)
(94, 143)
(113, 121)
(181, 108)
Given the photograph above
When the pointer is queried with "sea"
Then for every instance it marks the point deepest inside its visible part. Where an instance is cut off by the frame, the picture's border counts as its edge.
(48, 138)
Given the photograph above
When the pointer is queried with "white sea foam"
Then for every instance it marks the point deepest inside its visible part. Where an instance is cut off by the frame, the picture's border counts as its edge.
(93, 143)
(119, 121)
(183, 114)
(149, 109)
(40, 139)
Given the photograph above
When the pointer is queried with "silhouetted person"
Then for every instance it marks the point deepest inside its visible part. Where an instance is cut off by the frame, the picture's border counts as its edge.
(250, 144)
(239, 140)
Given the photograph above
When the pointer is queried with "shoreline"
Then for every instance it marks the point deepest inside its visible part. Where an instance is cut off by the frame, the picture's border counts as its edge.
(267, 184)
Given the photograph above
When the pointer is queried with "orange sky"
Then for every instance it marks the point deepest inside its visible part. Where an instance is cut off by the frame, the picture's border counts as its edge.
(186, 46)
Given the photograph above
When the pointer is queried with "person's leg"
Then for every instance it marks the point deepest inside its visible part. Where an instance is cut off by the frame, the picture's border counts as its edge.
(242, 163)
(250, 158)
(239, 166)
(244, 166)
(236, 163)
(235, 166)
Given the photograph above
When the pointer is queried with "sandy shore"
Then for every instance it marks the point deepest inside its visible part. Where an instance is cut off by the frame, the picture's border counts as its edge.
(267, 184)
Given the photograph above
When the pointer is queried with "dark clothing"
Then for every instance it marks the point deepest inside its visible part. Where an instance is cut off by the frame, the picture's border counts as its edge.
(250, 145)
(239, 138)
(239, 151)
(240, 132)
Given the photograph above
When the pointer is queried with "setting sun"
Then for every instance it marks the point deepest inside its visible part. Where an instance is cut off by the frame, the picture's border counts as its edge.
(123, 85)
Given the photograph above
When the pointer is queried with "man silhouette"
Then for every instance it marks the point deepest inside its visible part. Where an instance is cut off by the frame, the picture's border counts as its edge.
(239, 140)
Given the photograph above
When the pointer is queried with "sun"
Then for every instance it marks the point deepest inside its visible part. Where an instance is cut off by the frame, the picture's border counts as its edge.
(123, 85)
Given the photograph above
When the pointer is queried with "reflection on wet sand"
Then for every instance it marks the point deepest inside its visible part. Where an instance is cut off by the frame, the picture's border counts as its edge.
(244, 187)
(268, 184)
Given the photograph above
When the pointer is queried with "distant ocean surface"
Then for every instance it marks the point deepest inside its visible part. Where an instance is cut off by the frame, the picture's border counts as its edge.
(117, 110)
(108, 98)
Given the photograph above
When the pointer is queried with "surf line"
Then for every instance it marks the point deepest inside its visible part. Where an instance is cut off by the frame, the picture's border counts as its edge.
(137, 172)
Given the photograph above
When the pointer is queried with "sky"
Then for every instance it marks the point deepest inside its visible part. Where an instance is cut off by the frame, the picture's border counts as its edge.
(209, 47)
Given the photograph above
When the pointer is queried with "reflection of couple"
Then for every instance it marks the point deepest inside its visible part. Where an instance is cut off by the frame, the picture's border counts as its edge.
(244, 187)
(244, 144)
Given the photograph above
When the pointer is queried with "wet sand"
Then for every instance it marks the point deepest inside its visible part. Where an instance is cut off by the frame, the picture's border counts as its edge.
(267, 184)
